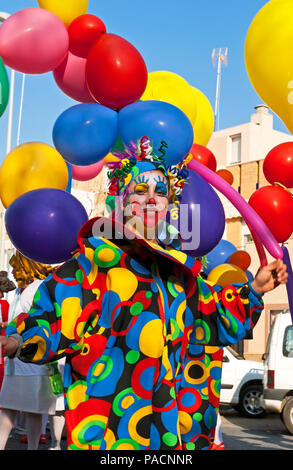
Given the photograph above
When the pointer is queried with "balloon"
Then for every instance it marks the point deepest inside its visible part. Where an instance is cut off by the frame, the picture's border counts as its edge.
(116, 72)
(275, 206)
(204, 155)
(65, 9)
(289, 284)
(85, 133)
(203, 125)
(85, 173)
(202, 215)
(226, 274)
(219, 255)
(278, 165)
(249, 275)
(250, 216)
(226, 175)
(241, 259)
(44, 224)
(83, 32)
(33, 41)
(4, 88)
(70, 77)
(69, 182)
(171, 88)
(267, 50)
(160, 122)
(31, 166)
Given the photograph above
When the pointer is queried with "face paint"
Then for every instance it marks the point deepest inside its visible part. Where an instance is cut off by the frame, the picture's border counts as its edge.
(148, 198)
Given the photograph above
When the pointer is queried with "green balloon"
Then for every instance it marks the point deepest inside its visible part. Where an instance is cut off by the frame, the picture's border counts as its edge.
(4, 88)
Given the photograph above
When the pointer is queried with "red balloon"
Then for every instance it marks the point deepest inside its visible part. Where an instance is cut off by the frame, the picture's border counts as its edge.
(278, 165)
(227, 176)
(275, 206)
(116, 72)
(203, 155)
(83, 32)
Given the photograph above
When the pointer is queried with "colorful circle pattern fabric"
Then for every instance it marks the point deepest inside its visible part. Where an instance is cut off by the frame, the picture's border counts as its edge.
(141, 336)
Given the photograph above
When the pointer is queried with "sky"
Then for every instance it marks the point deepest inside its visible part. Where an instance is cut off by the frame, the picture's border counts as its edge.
(174, 35)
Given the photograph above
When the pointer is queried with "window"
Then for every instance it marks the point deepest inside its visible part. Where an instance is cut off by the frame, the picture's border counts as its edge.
(235, 156)
(288, 342)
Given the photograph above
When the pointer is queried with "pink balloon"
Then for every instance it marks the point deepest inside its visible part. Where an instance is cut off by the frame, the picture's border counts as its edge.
(70, 77)
(33, 41)
(252, 219)
(85, 173)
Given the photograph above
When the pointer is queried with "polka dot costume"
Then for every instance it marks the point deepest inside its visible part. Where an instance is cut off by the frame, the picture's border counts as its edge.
(143, 337)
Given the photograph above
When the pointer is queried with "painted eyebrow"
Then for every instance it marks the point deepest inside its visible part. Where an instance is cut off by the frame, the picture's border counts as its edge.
(141, 179)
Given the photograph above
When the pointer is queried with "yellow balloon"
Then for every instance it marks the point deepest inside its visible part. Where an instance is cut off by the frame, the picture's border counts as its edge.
(67, 10)
(31, 166)
(268, 57)
(171, 88)
(226, 274)
(204, 123)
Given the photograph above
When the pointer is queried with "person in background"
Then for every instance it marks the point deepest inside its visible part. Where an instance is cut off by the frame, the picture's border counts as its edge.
(6, 285)
(26, 387)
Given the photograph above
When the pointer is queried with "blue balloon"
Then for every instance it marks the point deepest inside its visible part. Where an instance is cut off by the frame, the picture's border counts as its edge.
(249, 275)
(202, 215)
(85, 133)
(219, 255)
(159, 121)
(43, 224)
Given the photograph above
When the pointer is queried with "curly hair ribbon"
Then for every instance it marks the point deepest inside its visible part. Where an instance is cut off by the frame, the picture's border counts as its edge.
(252, 219)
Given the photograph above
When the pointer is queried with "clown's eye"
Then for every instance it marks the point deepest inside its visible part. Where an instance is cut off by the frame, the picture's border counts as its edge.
(141, 188)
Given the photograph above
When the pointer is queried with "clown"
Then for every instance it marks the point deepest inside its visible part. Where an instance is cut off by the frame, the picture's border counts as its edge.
(140, 329)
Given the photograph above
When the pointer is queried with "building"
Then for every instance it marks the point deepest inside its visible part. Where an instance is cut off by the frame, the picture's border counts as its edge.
(242, 149)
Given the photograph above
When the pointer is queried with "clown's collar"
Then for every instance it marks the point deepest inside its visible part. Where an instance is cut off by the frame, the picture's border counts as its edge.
(124, 236)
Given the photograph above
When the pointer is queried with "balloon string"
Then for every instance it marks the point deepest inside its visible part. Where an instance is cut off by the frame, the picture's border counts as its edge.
(248, 213)
(284, 187)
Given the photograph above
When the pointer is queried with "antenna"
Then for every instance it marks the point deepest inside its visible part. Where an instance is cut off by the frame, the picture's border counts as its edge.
(219, 56)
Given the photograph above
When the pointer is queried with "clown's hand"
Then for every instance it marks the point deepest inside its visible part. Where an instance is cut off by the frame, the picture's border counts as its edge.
(8, 346)
(270, 276)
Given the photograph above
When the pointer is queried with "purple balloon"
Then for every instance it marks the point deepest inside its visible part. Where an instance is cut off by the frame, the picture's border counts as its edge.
(44, 224)
(202, 215)
(289, 285)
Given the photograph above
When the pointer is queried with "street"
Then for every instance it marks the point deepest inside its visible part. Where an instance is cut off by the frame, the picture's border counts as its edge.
(266, 433)
(239, 433)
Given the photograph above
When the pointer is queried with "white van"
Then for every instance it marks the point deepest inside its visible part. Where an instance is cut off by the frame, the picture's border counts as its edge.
(278, 369)
(242, 384)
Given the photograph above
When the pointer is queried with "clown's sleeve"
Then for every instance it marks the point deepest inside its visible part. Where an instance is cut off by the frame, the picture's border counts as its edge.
(54, 325)
(225, 315)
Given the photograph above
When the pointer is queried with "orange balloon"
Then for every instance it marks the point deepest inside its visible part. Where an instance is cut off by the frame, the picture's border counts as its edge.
(241, 259)
(226, 175)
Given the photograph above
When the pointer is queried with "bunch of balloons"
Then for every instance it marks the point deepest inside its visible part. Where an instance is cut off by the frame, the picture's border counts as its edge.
(225, 264)
(107, 76)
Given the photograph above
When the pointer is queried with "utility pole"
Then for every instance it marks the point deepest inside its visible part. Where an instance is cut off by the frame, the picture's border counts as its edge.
(219, 57)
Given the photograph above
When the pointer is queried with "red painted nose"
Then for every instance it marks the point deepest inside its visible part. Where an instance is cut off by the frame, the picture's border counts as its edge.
(152, 201)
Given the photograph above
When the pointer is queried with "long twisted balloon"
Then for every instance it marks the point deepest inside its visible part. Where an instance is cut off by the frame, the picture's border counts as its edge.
(252, 219)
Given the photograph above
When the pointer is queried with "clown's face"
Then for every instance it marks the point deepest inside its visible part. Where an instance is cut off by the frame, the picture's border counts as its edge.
(147, 202)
